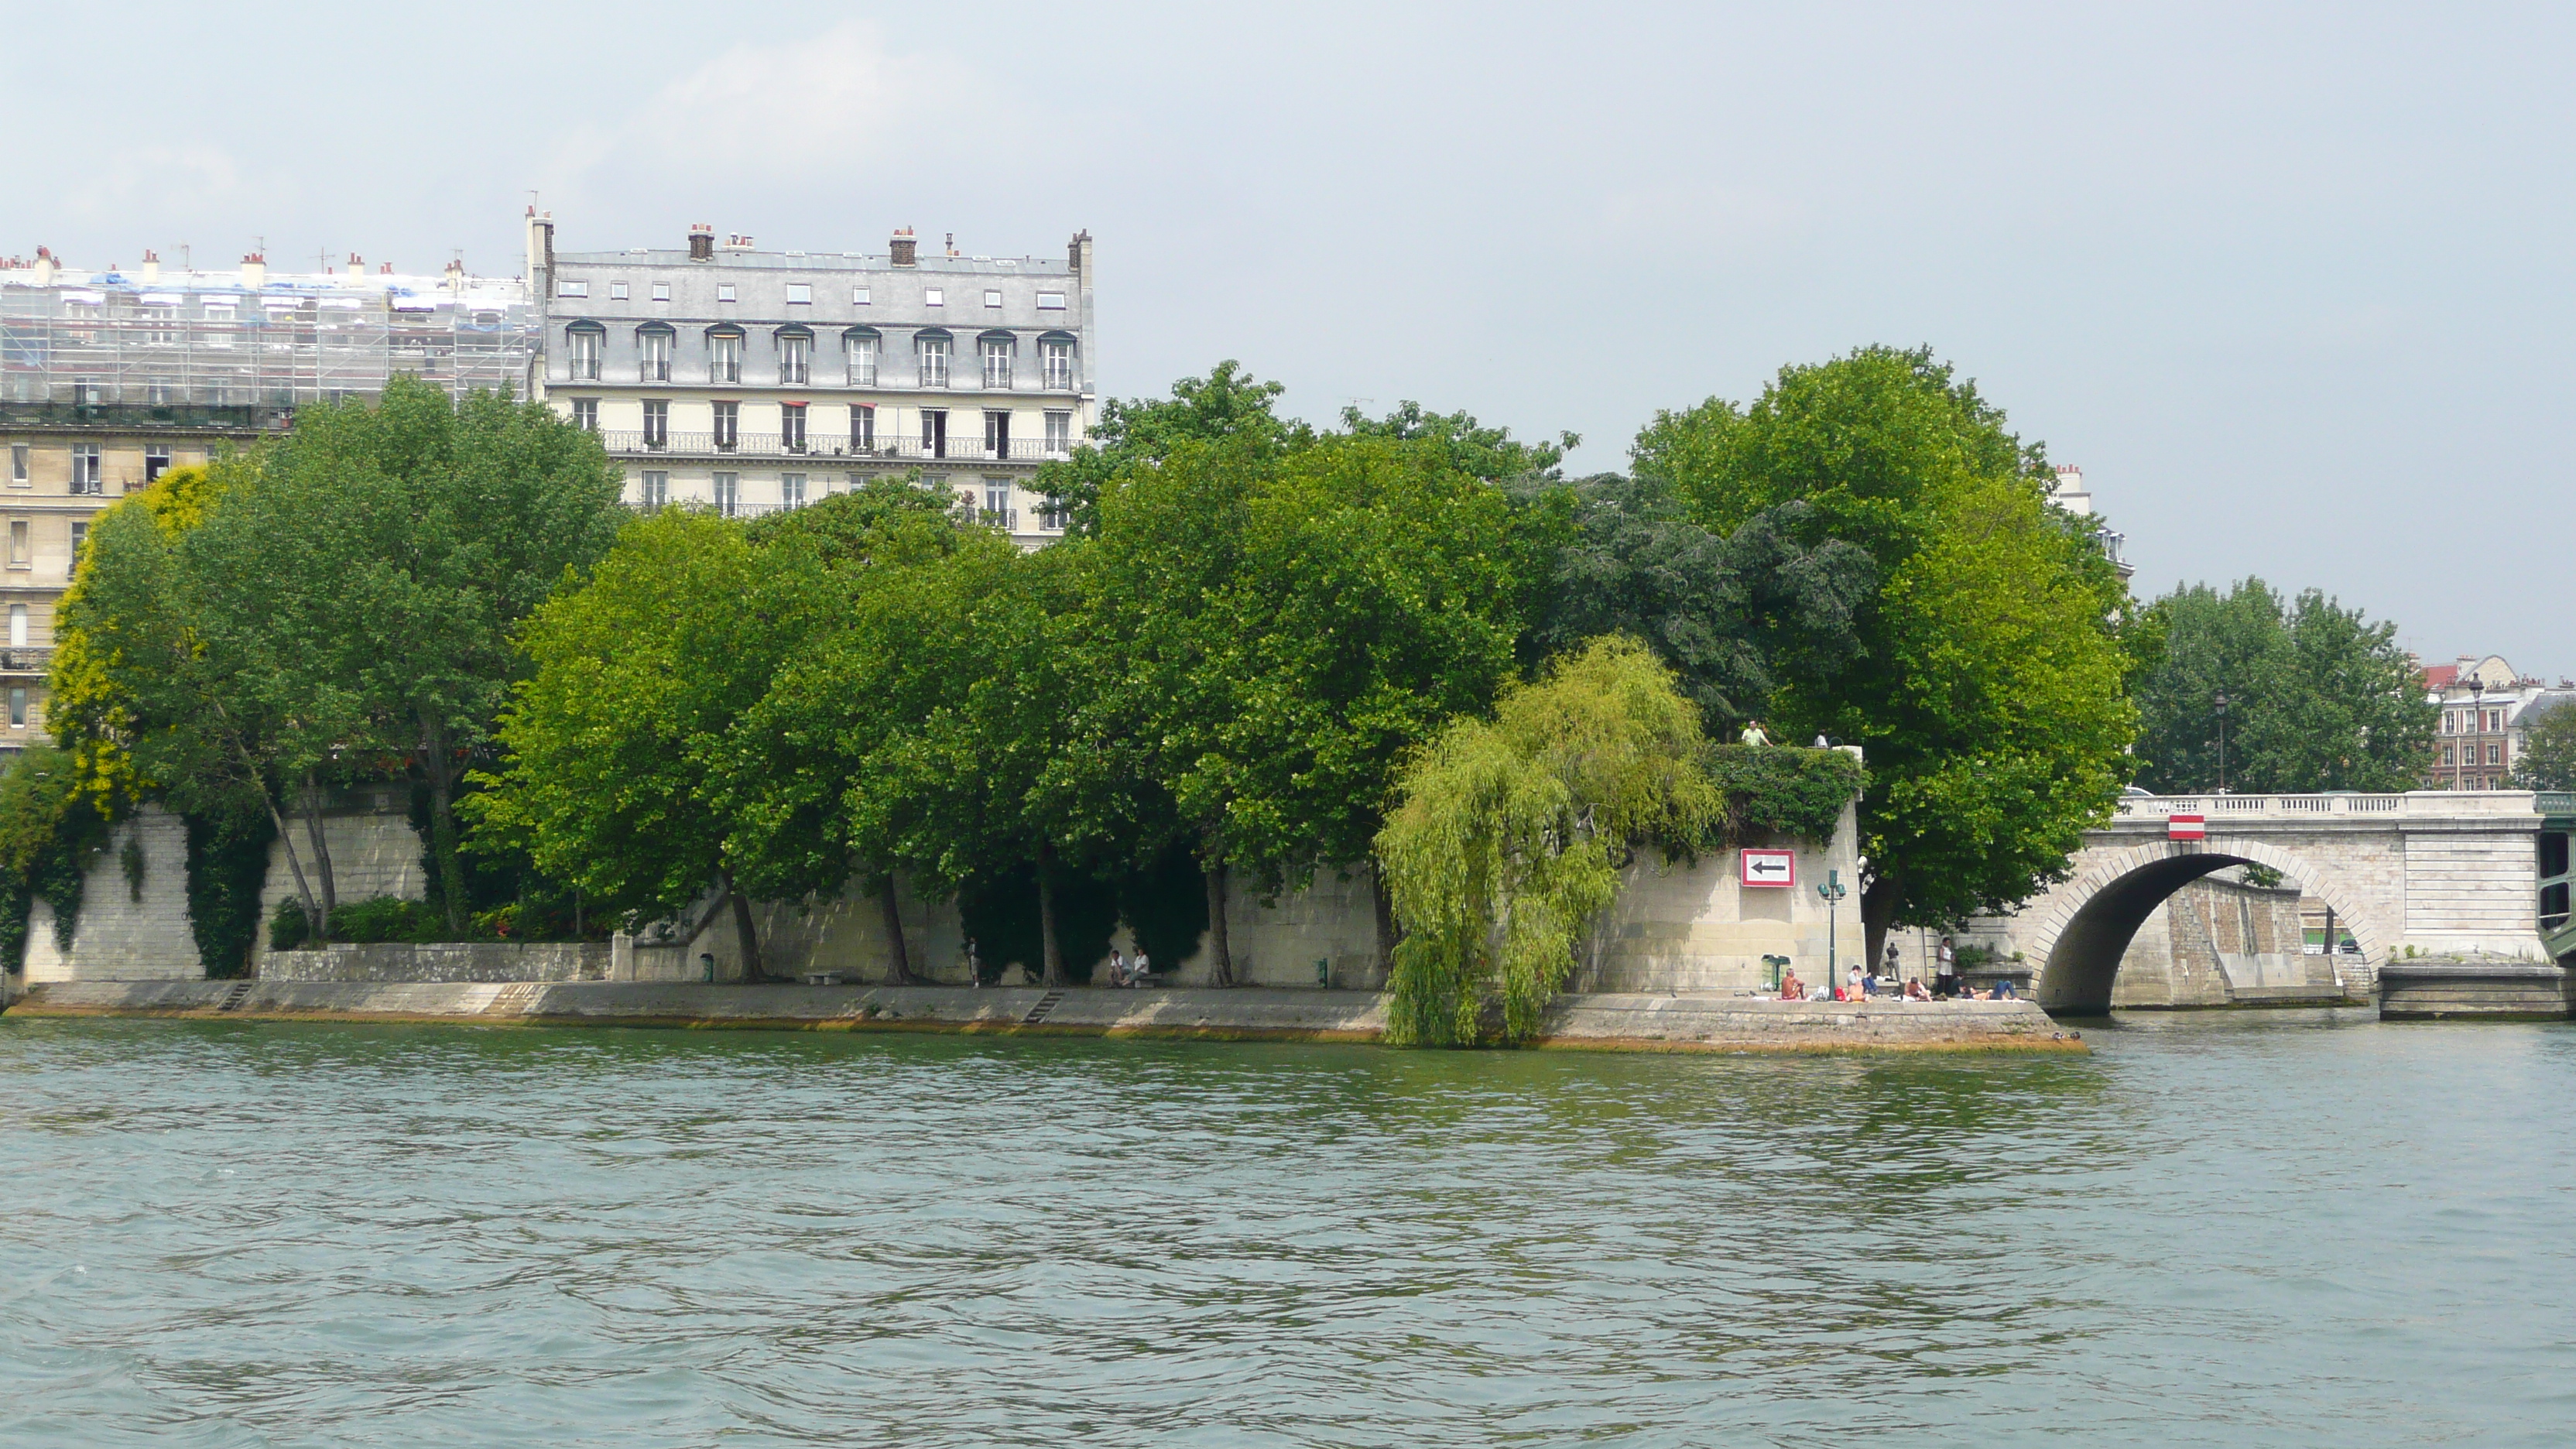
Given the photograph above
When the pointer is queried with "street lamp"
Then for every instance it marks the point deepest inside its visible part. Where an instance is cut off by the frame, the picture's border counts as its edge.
(1831, 891)
(2222, 742)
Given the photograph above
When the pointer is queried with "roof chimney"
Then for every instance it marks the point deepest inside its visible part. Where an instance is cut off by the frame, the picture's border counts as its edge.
(357, 265)
(46, 266)
(1077, 253)
(906, 251)
(952, 243)
(151, 268)
(254, 272)
(702, 243)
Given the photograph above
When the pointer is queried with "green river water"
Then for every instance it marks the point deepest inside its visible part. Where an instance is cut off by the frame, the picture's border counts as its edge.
(2250, 1229)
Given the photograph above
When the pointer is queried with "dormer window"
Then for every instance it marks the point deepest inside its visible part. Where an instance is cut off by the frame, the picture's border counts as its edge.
(570, 288)
(934, 297)
(800, 294)
(582, 346)
(724, 356)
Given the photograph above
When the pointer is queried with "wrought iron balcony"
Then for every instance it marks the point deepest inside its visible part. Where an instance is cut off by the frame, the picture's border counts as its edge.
(625, 442)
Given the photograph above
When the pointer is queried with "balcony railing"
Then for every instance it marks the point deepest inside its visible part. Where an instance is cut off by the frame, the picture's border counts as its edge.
(23, 659)
(773, 445)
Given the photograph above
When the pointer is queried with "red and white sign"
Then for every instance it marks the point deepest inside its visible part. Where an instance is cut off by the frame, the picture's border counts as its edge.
(1769, 868)
(2186, 827)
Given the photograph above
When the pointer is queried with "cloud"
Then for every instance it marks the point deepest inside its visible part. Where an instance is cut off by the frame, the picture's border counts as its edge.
(810, 111)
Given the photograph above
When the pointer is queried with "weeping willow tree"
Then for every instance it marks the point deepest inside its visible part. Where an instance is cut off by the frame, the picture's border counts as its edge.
(1511, 834)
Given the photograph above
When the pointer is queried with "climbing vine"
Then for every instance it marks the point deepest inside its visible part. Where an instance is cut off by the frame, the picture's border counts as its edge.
(1795, 794)
(227, 864)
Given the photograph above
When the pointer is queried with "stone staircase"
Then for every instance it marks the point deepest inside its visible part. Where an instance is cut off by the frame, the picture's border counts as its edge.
(1038, 1013)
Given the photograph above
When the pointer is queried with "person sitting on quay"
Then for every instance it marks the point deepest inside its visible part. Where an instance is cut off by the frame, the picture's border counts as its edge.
(1140, 972)
(1118, 967)
(1914, 990)
(1791, 988)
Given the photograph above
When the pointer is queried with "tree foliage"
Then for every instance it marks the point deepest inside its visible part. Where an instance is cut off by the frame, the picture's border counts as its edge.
(2318, 696)
(2548, 758)
(1988, 681)
(1733, 614)
(1511, 833)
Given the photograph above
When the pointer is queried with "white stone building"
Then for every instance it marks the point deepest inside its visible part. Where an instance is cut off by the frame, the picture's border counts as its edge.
(752, 380)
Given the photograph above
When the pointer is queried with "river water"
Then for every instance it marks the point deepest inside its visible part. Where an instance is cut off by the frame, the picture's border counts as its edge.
(2256, 1229)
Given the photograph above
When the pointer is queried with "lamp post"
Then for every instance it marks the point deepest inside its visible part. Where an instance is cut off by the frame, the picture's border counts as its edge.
(2222, 742)
(1831, 891)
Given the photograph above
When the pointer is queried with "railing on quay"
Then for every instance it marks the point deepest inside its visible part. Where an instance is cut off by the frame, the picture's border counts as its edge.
(631, 443)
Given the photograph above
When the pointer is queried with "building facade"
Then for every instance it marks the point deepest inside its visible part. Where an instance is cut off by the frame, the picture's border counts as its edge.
(750, 381)
(2487, 708)
(2069, 493)
(109, 378)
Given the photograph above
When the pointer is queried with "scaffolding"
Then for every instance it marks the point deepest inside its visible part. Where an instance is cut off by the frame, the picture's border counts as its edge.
(181, 347)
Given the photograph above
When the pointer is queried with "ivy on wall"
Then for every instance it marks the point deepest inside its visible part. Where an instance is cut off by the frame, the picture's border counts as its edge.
(227, 864)
(1779, 791)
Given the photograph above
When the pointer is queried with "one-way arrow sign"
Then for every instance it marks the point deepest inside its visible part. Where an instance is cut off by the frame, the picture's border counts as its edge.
(1769, 868)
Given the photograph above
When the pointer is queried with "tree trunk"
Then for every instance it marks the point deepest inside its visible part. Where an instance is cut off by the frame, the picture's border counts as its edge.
(1385, 905)
(898, 960)
(1220, 955)
(1049, 952)
(1877, 913)
(295, 864)
(442, 822)
(745, 934)
(321, 855)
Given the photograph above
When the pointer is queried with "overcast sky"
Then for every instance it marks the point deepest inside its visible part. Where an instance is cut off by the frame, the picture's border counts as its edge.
(2291, 284)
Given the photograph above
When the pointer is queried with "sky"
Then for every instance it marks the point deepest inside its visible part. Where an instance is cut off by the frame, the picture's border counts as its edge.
(2290, 284)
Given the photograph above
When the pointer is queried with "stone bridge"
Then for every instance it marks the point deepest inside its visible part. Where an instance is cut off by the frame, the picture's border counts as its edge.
(2427, 873)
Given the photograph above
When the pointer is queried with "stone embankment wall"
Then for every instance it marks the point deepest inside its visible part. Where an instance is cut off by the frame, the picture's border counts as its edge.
(443, 961)
(2469, 987)
(126, 929)
(1677, 925)
(1616, 1022)
(1685, 925)
(374, 852)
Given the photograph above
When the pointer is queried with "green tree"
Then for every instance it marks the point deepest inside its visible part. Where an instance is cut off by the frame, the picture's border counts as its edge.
(1511, 834)
(169, 684)
(2548, 758)
(644, 753)
(395, 548)
(1988, 685)
(1731, 614)
(1227, 403)
(1268, 631)
(2318, 696)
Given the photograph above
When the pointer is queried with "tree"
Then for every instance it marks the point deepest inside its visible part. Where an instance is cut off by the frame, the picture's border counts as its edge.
(396, 548)
(1268, 630)
(611, 742)
(1731, 615)
(1511, 834)
(1227, 403)
(2318, 696)
(1988, 684)
(2548, 758)
(167, 683)
(653, 750)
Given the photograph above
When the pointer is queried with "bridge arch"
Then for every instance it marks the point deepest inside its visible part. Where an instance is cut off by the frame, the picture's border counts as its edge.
(2092, 918)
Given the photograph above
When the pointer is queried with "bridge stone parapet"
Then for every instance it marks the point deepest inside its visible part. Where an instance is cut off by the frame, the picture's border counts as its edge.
(2423, 873)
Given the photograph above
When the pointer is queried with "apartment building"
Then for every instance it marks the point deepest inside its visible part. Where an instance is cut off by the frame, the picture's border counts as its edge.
(2486, 708)
(110, 377)
(751, 380)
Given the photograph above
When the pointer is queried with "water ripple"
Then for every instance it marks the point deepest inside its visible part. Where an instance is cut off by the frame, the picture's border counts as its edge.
(2270, 1230)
